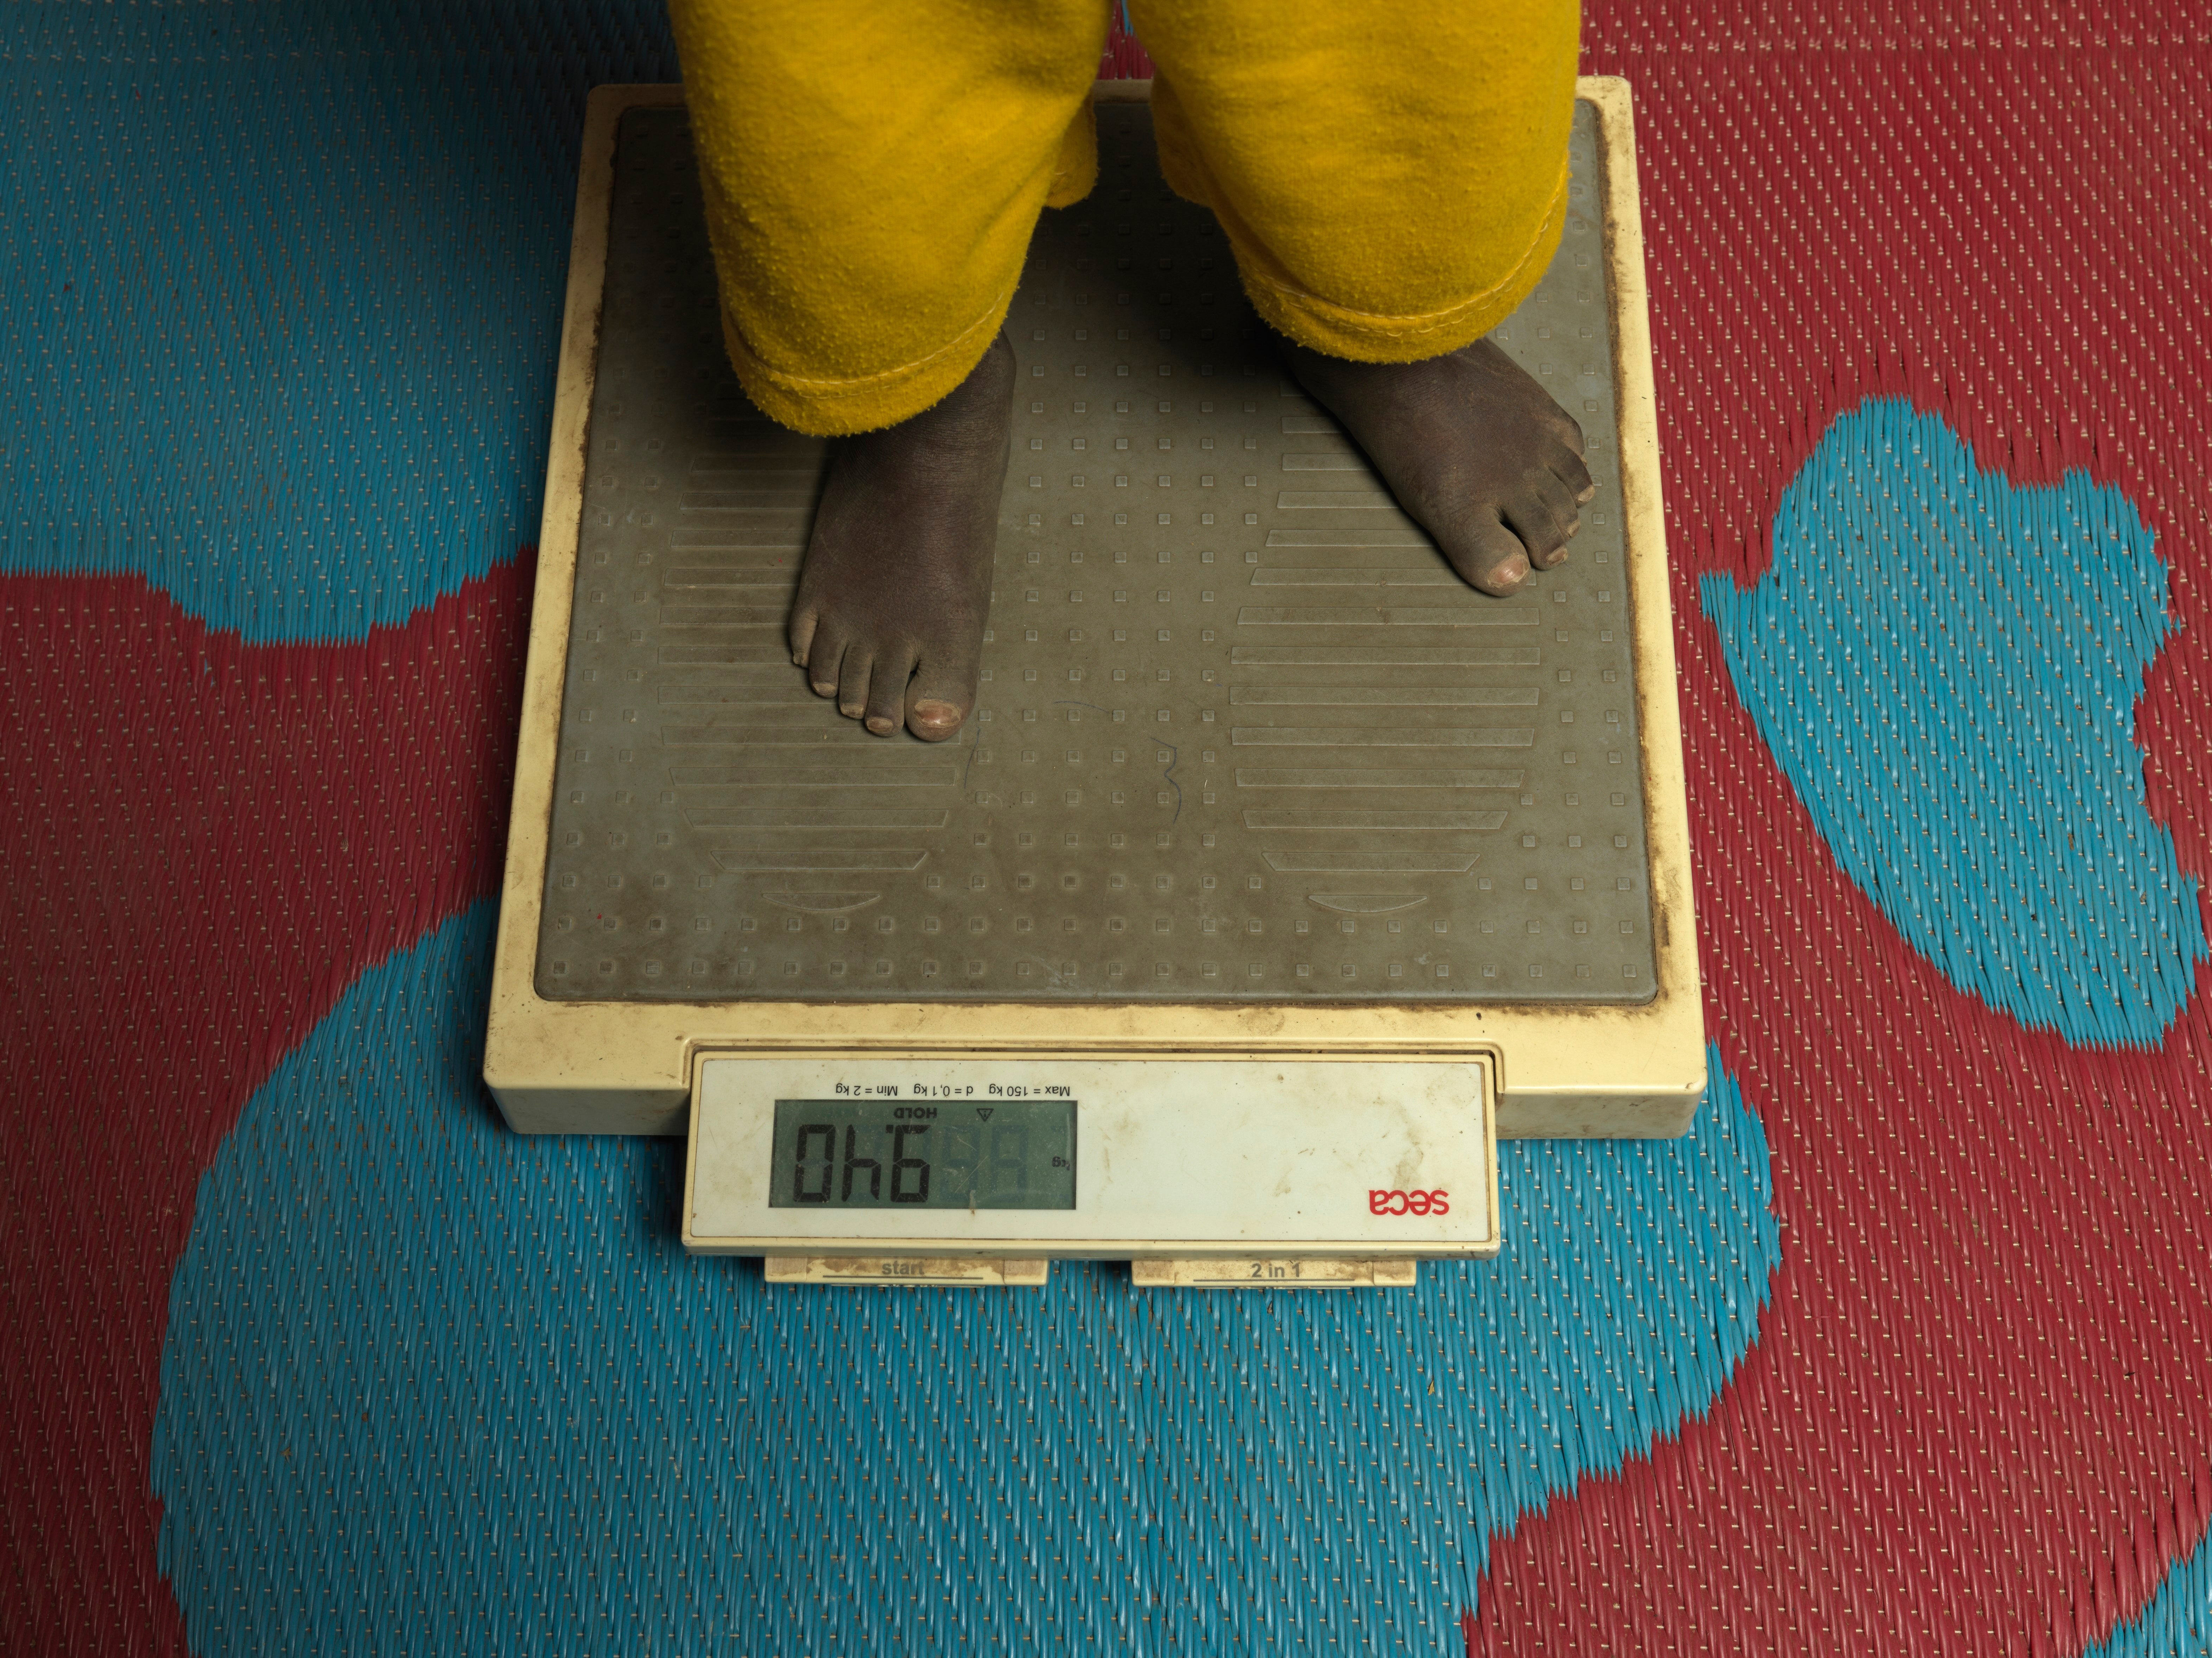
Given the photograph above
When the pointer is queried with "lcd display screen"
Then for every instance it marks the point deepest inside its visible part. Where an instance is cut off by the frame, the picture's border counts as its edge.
(883, 1154)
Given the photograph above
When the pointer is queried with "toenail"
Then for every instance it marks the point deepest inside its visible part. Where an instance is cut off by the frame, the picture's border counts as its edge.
(877, 724)
(1513, 569)
(931, 712)
(852, 710)
(821, 689)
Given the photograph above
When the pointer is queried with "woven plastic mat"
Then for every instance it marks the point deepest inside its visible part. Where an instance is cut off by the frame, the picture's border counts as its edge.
(1903, 1350)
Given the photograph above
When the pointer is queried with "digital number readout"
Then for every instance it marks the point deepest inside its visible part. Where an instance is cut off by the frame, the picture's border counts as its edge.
(883, 1154)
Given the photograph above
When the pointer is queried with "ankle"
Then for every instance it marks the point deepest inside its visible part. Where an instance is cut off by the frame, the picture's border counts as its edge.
(974, 416)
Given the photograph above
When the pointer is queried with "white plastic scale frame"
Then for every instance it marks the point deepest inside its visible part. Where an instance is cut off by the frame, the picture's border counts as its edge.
(631, 1068)
(1209, 1172)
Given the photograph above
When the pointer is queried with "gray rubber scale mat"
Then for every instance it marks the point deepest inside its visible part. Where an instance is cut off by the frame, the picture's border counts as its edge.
(1241, 732)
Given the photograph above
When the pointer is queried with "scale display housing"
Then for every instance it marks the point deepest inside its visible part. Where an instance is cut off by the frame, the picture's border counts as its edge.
(1266, 1163)
(1252, 776)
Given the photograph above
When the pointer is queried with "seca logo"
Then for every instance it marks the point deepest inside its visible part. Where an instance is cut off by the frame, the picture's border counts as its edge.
(1407, 1203)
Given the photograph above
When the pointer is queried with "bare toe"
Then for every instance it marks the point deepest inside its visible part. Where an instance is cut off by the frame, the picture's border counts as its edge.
(825, 653)
(1542, 514)
(1486, 554)
(933, 719)
(853, 675)
(886, 707)
(938, 700)
(1573, 472)
(803, 623)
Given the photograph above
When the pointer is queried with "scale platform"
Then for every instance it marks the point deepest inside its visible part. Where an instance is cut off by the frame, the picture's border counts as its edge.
(1264, 817)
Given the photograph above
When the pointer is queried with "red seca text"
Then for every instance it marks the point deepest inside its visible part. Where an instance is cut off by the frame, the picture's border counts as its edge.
(1407, 1203)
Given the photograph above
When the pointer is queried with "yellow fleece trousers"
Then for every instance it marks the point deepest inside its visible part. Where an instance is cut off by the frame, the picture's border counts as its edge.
(1391, 174)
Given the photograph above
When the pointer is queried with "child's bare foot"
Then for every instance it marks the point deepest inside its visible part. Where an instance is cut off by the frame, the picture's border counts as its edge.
(1476, 452)
(892, 598)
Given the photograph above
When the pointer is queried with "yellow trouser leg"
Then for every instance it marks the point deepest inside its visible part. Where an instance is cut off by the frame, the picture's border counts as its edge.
(872, 170)
(1392, 173)
(1393, 176)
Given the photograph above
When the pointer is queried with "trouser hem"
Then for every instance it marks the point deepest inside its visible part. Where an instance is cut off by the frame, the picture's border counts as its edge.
(1338, 330)
(827, 407)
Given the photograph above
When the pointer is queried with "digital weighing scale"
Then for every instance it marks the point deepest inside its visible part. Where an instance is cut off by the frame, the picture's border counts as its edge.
(1277, 874)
